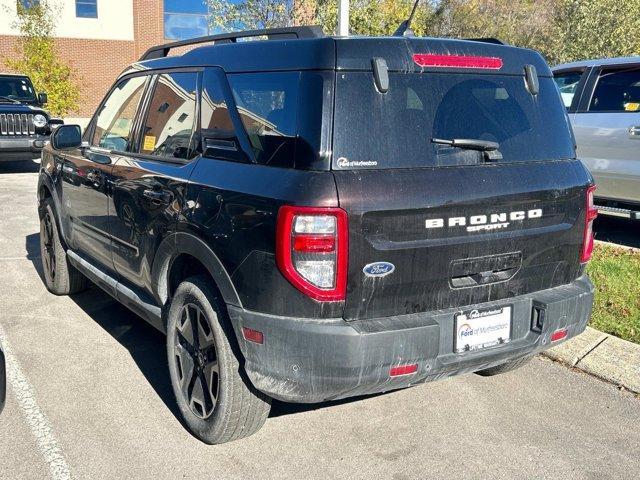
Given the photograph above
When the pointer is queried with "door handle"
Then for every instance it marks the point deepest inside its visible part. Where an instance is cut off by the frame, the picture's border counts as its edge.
(634, 131)
(158, 196)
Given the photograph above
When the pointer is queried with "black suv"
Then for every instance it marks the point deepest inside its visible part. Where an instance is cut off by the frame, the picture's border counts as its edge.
(24, 124)
(310, 218)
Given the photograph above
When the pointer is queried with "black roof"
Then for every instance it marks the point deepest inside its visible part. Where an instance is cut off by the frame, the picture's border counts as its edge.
(311, 52)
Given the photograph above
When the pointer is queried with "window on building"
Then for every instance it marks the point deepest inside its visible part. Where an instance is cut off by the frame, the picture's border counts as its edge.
(617, 91)
(170, 122)
(87, 8)
(185, 19)
(115, 119)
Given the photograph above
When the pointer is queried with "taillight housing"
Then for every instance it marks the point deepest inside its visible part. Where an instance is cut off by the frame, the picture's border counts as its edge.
(311, 250)
(590, 216)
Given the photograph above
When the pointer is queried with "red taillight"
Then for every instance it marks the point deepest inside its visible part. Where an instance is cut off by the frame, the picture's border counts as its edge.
(311, 250)
(590, 216)
(314, 243)
(457, 61)
(400, 370)
(559, 335)
(253, 336)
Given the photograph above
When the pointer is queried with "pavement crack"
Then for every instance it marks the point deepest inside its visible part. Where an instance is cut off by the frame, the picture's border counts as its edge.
(598, 343)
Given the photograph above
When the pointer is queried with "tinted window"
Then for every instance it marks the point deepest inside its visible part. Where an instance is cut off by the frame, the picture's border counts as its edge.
(567, 83)
(617, 91)
(115, 119)
(16, 88)
(217, 131)
(267, 104)
(185, 19)
(170, 121)
(373, 130)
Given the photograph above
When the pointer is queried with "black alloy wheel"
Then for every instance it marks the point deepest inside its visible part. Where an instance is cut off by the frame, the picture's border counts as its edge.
(196, 361)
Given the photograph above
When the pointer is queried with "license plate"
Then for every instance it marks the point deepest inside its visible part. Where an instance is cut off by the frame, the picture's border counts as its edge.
(478, 329)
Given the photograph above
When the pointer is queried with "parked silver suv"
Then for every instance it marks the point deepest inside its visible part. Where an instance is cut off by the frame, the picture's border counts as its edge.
(603, 101)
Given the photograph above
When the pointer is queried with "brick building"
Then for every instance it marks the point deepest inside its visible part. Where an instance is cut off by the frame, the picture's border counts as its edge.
(99, 38)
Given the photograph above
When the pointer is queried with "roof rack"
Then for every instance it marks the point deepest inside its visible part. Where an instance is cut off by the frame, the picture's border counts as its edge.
(497, 41)
(161, 51)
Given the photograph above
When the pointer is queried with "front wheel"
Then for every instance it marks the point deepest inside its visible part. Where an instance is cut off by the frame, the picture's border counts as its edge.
(217, 401)
(60, 277)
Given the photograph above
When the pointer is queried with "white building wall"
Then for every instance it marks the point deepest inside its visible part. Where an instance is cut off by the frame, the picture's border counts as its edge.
(114, 22)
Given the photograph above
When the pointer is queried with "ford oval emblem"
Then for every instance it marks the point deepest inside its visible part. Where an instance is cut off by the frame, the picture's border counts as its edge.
(378, 269)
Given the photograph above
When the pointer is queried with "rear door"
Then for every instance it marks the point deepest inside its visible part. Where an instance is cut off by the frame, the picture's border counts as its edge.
(150, 181)
(607, 129)
(456, 229)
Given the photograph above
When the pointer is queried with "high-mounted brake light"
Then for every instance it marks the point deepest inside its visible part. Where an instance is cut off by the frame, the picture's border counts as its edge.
(590, 216)
(457, 61)
(311, 250)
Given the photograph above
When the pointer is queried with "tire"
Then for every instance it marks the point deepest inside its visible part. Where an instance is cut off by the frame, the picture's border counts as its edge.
(216, 399)
(60, 277)
(504, 367)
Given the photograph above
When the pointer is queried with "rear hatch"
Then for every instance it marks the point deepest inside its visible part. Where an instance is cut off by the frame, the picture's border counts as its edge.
(433, 226)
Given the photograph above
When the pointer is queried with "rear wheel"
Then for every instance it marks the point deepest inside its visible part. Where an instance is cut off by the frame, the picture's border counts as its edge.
(504, 367)
(217, 401)
(61, 278)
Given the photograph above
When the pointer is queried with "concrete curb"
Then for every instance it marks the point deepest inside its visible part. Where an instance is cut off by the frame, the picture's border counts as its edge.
(604, 356)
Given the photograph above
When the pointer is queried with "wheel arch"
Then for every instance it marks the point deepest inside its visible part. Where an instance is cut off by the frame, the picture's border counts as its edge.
(185, 254)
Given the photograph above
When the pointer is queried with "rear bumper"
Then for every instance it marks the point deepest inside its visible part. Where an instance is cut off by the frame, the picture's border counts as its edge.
(307, 361)
(21, 148)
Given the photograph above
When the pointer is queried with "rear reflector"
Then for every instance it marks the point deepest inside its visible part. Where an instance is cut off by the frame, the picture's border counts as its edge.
(559, 335)
(253, 336)
(403, 370)
(457, 61)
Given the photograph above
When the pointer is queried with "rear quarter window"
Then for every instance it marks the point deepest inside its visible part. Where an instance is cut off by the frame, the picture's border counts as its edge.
(394, 130)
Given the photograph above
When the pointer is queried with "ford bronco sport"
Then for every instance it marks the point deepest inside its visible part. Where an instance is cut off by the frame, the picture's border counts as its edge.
(24, 125)
(310, 218)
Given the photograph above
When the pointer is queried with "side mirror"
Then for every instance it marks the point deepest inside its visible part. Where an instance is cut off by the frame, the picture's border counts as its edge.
(66, 137)
(43, 98)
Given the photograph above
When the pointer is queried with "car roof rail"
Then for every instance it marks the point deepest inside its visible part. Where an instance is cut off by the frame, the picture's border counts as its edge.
(496, 41)
(161, 51)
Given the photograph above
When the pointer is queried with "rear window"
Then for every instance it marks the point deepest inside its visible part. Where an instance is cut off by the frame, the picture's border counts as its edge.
(394, 130)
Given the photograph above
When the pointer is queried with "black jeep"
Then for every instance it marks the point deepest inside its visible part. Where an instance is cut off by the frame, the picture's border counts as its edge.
(311, 218)
(24, 124)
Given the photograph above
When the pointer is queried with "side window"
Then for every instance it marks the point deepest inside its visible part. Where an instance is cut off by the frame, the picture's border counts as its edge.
(114, 123)
(268, 104)
(617, 91)
(169, 126)
(567, 83)
(217, 132)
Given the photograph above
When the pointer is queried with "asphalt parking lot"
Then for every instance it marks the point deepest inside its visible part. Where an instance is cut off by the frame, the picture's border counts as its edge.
(89, 397)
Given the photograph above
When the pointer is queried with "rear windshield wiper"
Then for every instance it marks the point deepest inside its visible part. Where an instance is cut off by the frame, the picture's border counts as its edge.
(489, 149)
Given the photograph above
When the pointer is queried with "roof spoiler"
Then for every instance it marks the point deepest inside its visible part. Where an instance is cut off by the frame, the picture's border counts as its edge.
(161, 51)
(496, 41)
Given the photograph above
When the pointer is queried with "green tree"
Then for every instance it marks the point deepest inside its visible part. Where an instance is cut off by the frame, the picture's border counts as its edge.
(227, 15)
(596, 29)
(374, 17)
(37, 57)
